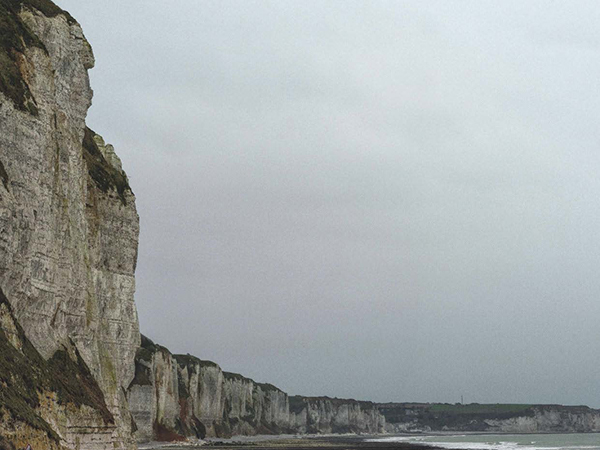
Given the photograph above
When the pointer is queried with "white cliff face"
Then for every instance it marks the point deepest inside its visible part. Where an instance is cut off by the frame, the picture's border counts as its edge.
(68, 246)
(254, 408)
(176, 396)
(481, 418)
(545, 419)
(203, 399)
(154, 395)
(214, 403)
(275, 407)
(327, 415)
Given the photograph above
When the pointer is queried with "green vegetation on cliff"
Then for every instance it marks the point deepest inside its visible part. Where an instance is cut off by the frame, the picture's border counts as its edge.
(478, 408)
(47, 8)
(25, 376)
(4, 176)
(470, 417)
(15, 36)
(191, 361)
(104, 175)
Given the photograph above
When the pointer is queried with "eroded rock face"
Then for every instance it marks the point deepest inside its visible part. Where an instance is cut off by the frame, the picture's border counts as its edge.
(205, 401)
(159, 398)
(68, 223)
(202, 396)
(332, 415)
(254, 408)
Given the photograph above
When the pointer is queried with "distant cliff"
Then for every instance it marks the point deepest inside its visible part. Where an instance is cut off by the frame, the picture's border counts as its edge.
(500, 418)
(334, 415)
(178, 396)
(68, 240)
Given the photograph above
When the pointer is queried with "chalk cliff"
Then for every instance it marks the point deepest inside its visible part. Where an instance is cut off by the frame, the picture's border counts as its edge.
(68, 223)
(178, 396)
(333, 415)
(501, 418)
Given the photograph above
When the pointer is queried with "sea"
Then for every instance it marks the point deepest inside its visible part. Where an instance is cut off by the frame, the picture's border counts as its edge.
(571, 441)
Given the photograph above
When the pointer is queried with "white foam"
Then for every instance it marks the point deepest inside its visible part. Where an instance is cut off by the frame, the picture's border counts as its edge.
(499, 445)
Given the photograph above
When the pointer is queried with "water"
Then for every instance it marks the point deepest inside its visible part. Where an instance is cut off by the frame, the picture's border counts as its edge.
(574, 441)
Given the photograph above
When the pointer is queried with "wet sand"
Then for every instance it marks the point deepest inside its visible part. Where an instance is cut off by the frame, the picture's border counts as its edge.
(305, 443)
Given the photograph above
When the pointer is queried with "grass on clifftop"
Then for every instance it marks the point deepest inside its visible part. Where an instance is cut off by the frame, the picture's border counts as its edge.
(47, 8)
(105, 176)
(191, 361)
(477, 408)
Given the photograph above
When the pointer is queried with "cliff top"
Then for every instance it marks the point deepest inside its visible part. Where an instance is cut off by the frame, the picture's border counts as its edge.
(191, 360)
(479, 408)
(299, 402)
(46, 7)
(264, 386)
(334, 400)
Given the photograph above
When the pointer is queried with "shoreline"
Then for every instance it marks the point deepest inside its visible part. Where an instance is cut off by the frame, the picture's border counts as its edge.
(291, 442)
(331, 441)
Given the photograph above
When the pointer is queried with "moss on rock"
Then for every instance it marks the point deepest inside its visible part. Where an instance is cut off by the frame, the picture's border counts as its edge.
(75, 384)
(236, 377)
(297, 403)
(47, 8)
(25, 376)
(142, 375)
(268, 387)
(191, 361)
(15, 36)
(3, 175)
(104, 175)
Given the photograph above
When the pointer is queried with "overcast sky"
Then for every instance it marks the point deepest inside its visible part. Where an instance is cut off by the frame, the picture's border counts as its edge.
(384, 200)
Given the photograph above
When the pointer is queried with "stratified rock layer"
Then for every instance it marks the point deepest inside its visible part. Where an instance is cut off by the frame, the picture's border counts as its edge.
(68, 223)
